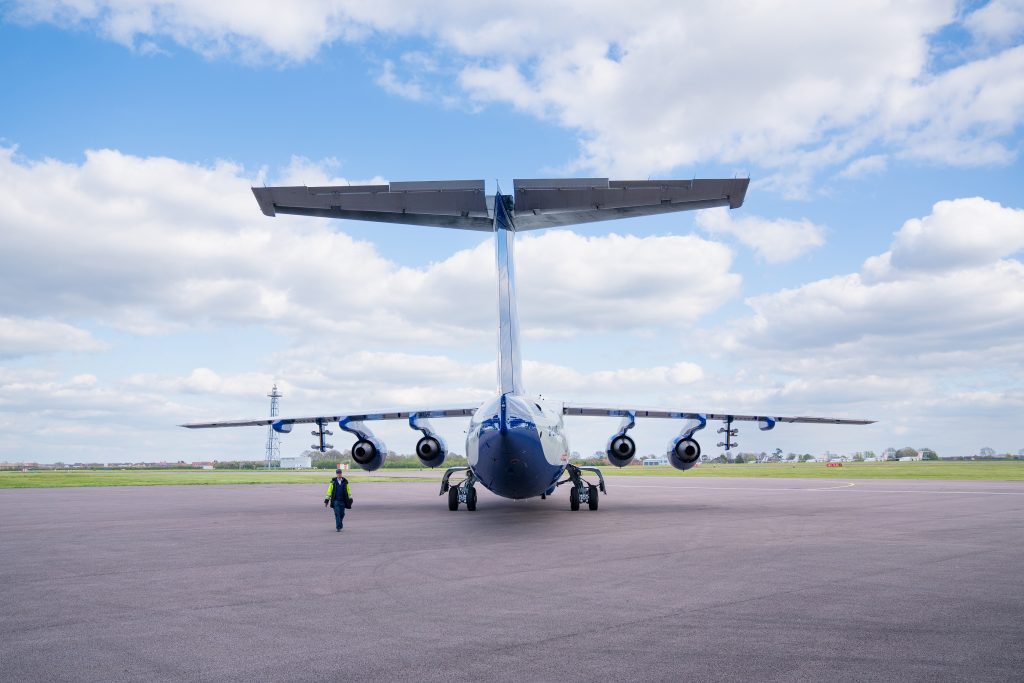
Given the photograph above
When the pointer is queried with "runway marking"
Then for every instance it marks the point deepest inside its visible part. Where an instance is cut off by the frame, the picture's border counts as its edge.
(847, 487)
(733, 488)
(981, 493)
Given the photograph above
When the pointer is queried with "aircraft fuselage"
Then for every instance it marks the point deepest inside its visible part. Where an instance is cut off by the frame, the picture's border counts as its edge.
(516, 447)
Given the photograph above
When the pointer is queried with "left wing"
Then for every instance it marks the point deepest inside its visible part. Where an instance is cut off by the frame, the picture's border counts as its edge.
(368, 451)
(283, 422)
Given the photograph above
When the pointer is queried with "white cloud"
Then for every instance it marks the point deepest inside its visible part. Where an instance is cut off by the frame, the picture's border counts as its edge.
(999, 21)
(962, 233)
(865, 166)
(317, 173)
(29, 337)
(945, 286)
(390, 81)
(959, 117)
(648, 88)
(155, 245)
(775, 241)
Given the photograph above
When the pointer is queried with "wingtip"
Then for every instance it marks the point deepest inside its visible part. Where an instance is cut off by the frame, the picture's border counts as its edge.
(265, 200)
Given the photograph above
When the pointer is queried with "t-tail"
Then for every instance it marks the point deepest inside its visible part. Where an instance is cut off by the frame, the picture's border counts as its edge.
(510, 364)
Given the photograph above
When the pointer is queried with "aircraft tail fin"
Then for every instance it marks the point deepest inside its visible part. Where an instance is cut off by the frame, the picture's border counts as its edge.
(510, 364)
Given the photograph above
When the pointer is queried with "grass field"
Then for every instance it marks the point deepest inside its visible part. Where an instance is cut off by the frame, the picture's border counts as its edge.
(982, 470)
(28, 480)
(977, 470)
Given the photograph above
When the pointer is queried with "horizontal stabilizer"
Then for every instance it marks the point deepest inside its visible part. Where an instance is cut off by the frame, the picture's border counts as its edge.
(536, 204)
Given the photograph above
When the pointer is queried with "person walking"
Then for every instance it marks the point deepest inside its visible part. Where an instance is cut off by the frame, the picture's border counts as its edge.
(339, 497)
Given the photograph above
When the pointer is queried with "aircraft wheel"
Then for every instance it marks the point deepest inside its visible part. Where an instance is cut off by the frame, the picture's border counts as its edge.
(593, 498)
(574, 499)
(471, 499)
(453, 498)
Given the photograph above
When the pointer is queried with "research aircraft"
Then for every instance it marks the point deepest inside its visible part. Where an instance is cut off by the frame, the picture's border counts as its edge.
(516, 444)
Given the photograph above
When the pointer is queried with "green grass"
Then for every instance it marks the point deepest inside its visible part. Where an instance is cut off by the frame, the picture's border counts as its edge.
(956, 470)
(981, 470)
(47, 479)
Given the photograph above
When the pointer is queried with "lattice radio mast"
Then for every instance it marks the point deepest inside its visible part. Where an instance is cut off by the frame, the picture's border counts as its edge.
(273, 441)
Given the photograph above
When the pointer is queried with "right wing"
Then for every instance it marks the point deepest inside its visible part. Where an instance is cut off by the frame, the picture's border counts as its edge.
(599, 411)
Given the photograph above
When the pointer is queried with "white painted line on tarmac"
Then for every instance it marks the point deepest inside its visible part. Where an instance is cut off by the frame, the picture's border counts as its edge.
(979, 493)
(847, 487)
(729, 488)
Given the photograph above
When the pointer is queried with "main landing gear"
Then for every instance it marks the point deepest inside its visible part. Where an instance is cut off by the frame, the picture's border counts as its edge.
(582, 491)
(462, 493)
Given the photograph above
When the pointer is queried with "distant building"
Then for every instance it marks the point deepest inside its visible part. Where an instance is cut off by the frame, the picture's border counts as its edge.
(654, 461)
(296, 462)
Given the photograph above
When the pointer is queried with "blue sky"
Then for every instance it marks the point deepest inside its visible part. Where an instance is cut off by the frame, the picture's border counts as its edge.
(874, 271)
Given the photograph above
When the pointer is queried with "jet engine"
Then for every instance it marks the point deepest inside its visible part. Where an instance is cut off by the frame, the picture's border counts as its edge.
(431, 451)
(368, 454)
(621, 450)
(684, 453)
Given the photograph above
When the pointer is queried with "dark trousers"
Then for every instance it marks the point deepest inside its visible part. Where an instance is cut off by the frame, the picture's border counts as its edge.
(339, 514)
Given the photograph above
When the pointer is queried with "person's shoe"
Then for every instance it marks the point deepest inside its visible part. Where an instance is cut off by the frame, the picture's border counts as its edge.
(338, 529)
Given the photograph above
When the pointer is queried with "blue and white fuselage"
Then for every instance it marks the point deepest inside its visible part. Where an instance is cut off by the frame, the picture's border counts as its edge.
(517, 448)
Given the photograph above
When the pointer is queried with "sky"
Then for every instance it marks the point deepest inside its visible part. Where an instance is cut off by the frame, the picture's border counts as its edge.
(874, 271)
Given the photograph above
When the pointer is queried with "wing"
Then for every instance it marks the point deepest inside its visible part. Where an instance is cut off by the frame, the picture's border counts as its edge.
(554, 203)
(440, 203)
(596, 411)
(284, 423)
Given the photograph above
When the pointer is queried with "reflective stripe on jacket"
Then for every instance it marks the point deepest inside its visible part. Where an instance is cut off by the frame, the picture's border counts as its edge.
(334, 492)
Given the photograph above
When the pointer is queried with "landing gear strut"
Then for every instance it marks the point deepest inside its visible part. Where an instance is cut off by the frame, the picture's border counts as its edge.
(582, 491)
(463, 492)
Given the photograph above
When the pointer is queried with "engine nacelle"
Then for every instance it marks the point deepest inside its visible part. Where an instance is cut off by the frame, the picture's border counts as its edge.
(621, 450)
(368, 454)
(431, 451)
(684, 454)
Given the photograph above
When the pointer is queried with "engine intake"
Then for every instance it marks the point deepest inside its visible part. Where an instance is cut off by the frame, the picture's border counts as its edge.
(367, 455)
(621, 451)
(684, 454)
(430, 451)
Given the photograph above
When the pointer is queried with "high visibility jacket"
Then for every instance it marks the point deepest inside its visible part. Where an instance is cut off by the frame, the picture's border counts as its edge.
(338, 489)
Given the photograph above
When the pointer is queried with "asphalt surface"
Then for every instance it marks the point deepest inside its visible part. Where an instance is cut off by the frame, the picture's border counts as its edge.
(672, 579)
